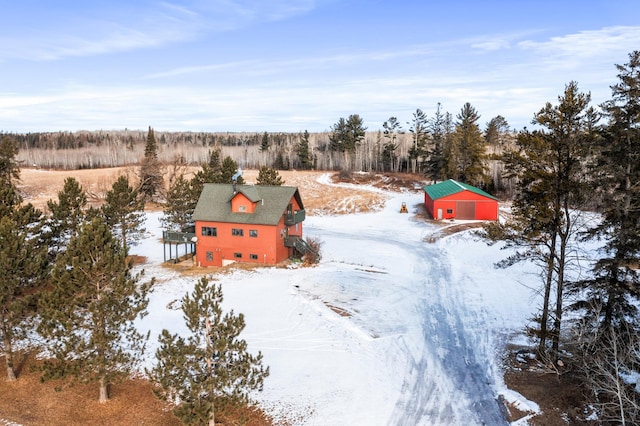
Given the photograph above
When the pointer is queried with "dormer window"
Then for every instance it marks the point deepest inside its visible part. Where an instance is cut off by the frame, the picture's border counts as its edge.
(242, 209)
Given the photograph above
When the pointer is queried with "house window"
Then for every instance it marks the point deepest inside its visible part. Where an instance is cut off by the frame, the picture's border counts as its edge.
(209, 256)
(253, 233)
(242, 208)
(253, 256)
(449, 211)
(237, 255)
(208, 231)
(237, 232)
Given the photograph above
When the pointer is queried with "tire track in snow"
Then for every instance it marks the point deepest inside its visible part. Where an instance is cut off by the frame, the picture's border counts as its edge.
(448, 383)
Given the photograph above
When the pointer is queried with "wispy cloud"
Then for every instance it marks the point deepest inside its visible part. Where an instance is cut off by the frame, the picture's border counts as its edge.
(586, 44)
(137, 28)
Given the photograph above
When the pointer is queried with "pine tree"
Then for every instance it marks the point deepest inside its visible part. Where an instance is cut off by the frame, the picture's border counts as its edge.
(471, 167)
(67, 214)
(211, 172)
(87, 318)
(304, 154)
(440, 130)
(269, 176)
(150, 171)
(614, 288)
(211, 365)
(497, 129)
(124, 212)
(392, 129)
(264, 144)
(420, 134)
(9, 170)
(228, 171)
(23, 259)
(548, 165)
(181, 202)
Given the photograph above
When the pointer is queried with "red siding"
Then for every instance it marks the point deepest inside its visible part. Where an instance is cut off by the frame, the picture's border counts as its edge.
(485, 208)
(268, 246)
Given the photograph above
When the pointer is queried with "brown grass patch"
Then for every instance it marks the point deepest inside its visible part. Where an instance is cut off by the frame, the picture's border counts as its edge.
(29, 402)
(38, 186)
(560, 396)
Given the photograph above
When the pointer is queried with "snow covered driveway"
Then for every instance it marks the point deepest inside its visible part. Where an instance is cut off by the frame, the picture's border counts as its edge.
(387, 330)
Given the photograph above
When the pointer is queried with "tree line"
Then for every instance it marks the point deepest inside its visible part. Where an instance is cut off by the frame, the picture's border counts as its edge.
(438, 147)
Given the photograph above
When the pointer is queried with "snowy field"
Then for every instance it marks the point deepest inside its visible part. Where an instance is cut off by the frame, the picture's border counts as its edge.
(422, 339)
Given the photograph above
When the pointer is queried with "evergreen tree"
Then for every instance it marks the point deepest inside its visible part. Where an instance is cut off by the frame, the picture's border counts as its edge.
(264, 144)
(471, 150)
(549, 170)
(228, 171)
(87, 318)
(346, 136)
(497, 129)
(9, 169)
(67, 214)
(150, 171)
(211, 365)
(181, 202)
(23, 260)
(304, 154)
(420, 133)
(124, 212)
(440, 129)
(392, 128)
(269, 176)
(211, 172)
(608, 300)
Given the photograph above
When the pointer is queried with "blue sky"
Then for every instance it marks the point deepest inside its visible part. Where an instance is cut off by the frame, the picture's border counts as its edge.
(291, 65)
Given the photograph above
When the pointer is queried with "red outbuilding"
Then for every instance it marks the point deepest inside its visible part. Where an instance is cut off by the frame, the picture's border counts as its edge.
(456, 200)
(248, 223)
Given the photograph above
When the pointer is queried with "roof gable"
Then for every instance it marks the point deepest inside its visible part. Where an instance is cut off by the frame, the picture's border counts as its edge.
(214, 204)
(450, 187)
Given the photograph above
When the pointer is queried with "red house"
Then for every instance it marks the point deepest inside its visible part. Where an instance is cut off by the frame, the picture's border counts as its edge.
(455, 200)
(248, 223)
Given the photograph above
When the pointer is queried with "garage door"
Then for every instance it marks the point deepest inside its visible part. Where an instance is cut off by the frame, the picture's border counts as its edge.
(466, 210)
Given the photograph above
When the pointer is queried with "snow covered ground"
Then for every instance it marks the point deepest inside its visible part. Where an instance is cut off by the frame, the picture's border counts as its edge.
(420, 344)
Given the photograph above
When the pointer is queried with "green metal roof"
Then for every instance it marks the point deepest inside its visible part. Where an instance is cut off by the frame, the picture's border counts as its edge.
(214, 204)
(450, 187)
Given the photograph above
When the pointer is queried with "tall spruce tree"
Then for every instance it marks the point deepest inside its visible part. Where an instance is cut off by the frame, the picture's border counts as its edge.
(471, 150)
(392, 129)
(304, 153)
(150, 169)
(440, 130)
(124, 212)
(420, 134)
(615, 283)
(211, 366)
(87, 318)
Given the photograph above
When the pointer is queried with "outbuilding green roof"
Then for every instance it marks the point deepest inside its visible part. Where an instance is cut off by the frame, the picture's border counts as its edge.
(450, 187)
(214, 204)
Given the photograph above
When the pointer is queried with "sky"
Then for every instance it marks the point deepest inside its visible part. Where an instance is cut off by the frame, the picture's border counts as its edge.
(295, 65)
